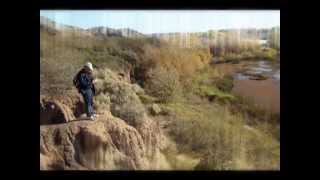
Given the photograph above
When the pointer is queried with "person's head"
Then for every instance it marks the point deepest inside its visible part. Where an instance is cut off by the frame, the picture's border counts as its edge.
(88, 66)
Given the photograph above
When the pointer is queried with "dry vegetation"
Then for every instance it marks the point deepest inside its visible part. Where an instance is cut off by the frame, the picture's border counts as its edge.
(229, 45)
(206, 121)
(221, 139)
(226, 132)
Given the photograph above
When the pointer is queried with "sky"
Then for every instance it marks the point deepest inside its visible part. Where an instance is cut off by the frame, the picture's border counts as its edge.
(164, 21)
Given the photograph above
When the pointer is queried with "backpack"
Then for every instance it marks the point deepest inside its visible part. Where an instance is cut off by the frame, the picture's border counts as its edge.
(75, 80)
(76, 83)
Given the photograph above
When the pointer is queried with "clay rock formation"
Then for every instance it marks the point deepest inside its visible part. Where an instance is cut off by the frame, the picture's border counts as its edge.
(60, 109)
(123, 137)
(105, 144)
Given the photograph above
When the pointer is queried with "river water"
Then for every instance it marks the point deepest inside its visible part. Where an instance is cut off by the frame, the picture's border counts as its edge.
(264, 92)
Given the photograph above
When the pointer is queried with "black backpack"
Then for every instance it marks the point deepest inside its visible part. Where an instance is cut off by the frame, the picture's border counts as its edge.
(75, 81)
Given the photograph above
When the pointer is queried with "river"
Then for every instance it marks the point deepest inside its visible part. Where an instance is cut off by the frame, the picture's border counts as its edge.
(258, 81)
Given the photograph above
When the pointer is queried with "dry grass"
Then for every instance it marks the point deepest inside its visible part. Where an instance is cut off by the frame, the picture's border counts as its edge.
(222, 139)
(218, 134)
(185, 61)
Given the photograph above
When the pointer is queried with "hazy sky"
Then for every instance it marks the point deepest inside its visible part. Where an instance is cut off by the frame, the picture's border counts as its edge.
(161, 21)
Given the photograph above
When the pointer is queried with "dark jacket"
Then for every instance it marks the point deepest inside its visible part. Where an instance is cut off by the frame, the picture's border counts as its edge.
(85, 81)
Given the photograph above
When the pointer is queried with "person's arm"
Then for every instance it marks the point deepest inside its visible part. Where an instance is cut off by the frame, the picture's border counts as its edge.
(93, 81)
(75, 78)
(94, 89)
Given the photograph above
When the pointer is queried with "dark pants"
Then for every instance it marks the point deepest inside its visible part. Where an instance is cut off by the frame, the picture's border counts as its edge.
(88, 100)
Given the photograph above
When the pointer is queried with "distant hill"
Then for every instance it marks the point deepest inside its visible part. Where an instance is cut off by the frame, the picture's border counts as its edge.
(103, 32)
(177, 38)
(54, 27)
(108, 32)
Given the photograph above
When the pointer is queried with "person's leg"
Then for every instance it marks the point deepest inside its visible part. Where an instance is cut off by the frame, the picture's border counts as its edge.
(90, 102)
(93, 111)
(86, 99)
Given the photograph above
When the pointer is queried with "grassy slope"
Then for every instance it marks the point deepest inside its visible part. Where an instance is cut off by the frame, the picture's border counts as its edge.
(216, 130)
(219, 132)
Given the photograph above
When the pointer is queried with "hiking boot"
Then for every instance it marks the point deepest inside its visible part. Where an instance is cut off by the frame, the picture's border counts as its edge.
(92, 118)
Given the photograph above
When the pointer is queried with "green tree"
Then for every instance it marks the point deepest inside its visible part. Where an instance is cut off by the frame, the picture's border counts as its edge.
(274, 38)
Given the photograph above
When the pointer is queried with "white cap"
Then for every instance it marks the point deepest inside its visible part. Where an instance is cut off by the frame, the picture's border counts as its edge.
(89, 65)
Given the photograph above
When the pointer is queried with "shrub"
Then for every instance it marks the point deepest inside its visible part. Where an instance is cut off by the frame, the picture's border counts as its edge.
(257, 116)
(212, 93)
(146, 99)
(102, 102)
(224, 84)
(217, 88)
(247, 55)
(185, 61)
(221, 139)
(228, 43)
(204, 131)
(274, 38)
(232, 57)
(267, 53)
(56, 76)
(163, 84)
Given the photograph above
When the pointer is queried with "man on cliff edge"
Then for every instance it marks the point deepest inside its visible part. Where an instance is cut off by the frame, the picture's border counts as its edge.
(84, 82)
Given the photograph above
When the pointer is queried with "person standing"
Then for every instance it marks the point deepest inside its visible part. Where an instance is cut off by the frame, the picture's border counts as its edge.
(84, 82)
